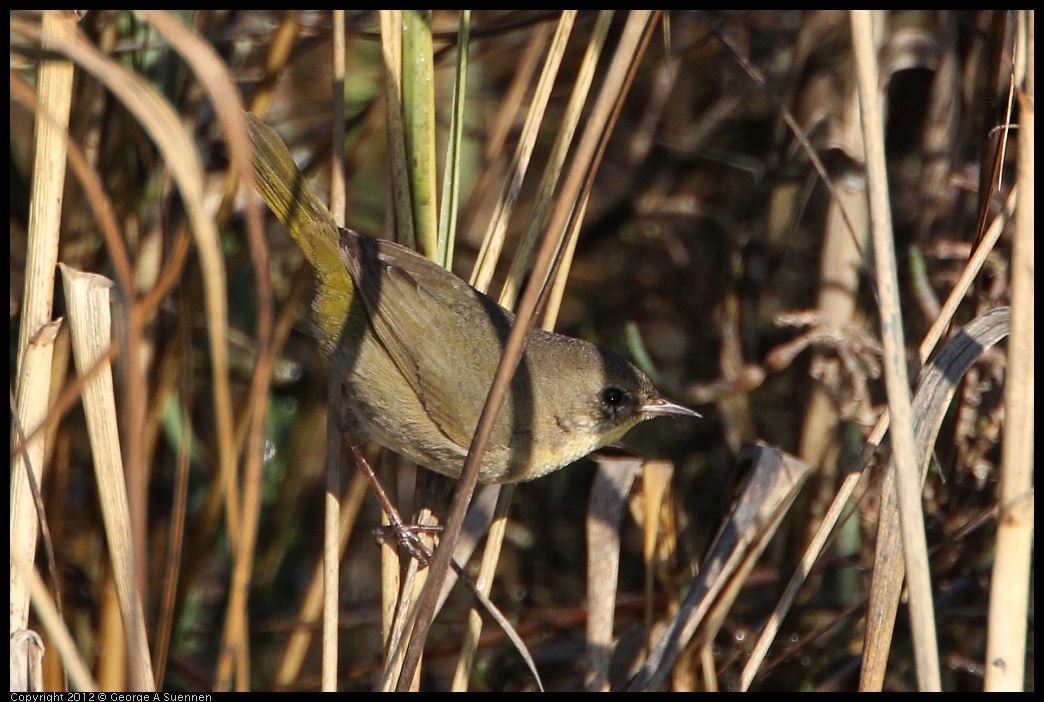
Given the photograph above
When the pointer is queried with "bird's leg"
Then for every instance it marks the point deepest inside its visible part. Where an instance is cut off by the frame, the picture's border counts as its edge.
(407, 534)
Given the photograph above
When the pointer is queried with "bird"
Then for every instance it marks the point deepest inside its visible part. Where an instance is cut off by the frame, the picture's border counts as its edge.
(416, 348)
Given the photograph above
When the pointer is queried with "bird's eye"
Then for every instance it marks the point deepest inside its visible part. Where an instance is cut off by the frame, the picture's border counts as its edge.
(613, 397)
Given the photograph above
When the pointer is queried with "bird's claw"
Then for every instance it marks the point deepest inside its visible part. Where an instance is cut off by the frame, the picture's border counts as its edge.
(409, 536)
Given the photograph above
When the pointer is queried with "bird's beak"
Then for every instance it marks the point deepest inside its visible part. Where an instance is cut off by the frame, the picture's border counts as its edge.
(660, 406)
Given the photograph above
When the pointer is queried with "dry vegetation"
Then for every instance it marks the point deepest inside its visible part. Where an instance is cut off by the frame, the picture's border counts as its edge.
(725, 244)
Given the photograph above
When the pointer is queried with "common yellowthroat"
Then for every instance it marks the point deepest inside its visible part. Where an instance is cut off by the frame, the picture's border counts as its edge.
(417, 347)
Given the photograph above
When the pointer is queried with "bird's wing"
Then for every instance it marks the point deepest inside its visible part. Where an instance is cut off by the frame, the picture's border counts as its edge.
(443, 335)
